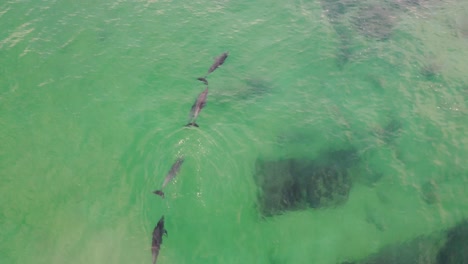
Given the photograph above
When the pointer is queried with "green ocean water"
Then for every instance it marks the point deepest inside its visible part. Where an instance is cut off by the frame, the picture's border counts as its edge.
(94, 96)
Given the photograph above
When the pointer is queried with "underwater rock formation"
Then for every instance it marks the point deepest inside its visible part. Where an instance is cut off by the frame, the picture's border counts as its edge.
(335, 9)
(407, 5)
(455, 250)
(421, 250)
(430, 192)
(256, 88)
(390, 131)
(375, 21)
(345, 48)
(279, 189)
(451, 248)
(292, 184)
(431, 69)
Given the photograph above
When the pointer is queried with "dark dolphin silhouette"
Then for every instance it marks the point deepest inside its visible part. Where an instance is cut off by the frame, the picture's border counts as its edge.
(218, 62)
(197, 107)
(170, 175)
(156, 242)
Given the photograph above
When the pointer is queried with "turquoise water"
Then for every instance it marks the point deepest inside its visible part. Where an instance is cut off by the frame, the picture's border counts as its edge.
(94, 96)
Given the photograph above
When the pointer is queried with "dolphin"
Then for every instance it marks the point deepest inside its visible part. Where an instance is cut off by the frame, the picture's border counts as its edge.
(218, 62)
(156, 242)
(170, 175)
(197, 107)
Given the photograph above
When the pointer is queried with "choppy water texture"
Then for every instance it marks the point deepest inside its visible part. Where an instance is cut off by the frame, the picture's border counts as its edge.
(335, 131)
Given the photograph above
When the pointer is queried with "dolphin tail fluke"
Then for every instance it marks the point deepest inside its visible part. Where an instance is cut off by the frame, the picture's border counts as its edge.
(155, 255)
(159, 192)
(192, 124)
(203, 79)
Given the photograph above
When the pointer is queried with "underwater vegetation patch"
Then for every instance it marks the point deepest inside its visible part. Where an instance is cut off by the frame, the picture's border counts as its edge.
(335, 9)
(431, 69)
(390, 132)
(375, 21)
(450, 247)
(455, 249)
(293, 184)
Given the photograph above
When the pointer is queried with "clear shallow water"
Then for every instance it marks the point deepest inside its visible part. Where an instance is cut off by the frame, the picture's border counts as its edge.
(93, 97)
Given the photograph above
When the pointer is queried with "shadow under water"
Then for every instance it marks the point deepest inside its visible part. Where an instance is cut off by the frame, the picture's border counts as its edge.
(293, 184)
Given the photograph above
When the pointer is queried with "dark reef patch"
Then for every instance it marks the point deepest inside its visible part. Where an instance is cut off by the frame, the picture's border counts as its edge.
(345, 48)
(335, 9)
(417, 251)
(429, 192)
(455, 250)
(431, 69)
(375, 21)
(407, 5)
(293, 184)
(257, 87)
(390, 132)
(437, 248)
(252, 89)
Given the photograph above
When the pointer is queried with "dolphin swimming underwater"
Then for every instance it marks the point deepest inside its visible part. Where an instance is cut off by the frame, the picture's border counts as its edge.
(218, 62)
(156, 242)
(170, 175)
(197, 107)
